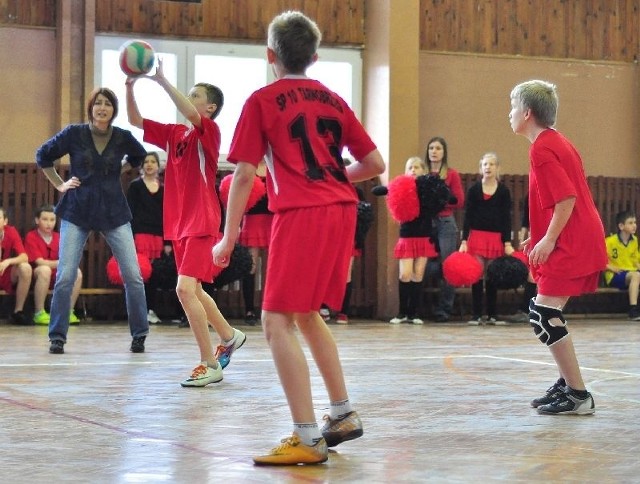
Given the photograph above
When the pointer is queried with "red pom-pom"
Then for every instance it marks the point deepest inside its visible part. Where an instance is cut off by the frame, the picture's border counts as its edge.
(258, 190)
(461, 269)
(223, 189)
(518, 254)
(402, 199)
(113, 270)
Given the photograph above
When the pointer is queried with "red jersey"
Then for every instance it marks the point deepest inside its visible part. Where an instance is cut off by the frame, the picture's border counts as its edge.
(301, 127)
(454, 183)
(38, 248)
(556, 174)
(10, 243)
(191, 207)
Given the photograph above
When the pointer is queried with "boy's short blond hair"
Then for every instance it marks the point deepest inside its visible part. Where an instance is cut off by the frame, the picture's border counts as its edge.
(294, 38)
(539, 96)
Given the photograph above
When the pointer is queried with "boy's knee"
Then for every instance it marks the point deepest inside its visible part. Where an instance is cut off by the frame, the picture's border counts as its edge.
(42, 272)
(633, 278)
(185, 292)
(24, 271)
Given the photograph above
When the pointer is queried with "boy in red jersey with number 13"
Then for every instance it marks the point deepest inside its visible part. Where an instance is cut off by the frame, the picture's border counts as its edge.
(301, 127)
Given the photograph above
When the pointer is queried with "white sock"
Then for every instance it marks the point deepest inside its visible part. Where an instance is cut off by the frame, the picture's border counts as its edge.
(229, 342)
(340, 408)
(309, 433)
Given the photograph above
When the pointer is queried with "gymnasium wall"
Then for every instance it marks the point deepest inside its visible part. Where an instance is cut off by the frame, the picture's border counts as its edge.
(27, 91)
(468, 64)
(465, 98)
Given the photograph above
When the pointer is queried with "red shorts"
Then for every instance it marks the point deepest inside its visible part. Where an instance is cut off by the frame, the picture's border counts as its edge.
(485, 244)
(548, 286)
(194, 259)
(149, 245)
(5, 281)
(414, 247)
(309, 258)
(256, 230)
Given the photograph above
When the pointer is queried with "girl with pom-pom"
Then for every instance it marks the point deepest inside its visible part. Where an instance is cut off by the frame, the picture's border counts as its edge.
(144, 196)
(486, 232)
(255, 234)
(414, 247)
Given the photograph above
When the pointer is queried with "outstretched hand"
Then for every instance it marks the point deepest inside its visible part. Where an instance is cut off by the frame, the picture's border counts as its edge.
(156, 76)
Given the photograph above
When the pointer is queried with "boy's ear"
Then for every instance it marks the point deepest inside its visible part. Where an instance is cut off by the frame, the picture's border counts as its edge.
(211, 108)
(271, 56)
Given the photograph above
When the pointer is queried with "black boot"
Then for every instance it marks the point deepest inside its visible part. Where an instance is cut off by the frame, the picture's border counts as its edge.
(248, 291)
(477, 293)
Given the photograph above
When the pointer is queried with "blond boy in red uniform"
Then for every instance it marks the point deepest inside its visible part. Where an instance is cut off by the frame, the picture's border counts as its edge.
(566, 243)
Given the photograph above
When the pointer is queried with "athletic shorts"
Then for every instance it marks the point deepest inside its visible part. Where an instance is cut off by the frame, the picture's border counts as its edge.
(194, 259)
(619, 280)
(256, 230)
(149, 245)
(309, 258)
(5, 281)
(485, 244)
(414, 247)
(567, 287)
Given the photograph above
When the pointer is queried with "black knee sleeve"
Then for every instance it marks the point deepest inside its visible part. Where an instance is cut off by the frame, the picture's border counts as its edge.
(539, 317)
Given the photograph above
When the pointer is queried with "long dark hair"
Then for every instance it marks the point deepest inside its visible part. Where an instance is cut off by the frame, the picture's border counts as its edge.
(445, 165)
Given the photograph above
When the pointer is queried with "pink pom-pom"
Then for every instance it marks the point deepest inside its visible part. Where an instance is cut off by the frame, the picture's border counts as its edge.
(461, 269)
(402, 199)
(258, 190)
(115, 276)
(518, 254)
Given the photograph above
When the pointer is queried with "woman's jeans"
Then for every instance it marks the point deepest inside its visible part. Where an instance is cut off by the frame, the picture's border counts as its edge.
(72, 242)
(447, 233)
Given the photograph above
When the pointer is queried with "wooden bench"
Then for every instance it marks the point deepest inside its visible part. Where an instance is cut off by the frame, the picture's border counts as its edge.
(23, 188)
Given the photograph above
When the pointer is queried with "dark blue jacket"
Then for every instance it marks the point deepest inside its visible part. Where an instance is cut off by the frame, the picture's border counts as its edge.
(99, 202)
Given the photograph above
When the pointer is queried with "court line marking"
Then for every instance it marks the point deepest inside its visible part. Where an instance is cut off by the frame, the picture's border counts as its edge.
(181, 363)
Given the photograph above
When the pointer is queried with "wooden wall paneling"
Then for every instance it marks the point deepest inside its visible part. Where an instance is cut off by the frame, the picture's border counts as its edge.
(33, 13)
(104, 11)
(596, 25)
(486, 29)
(504, 25)
(586, 29)
(631, 39)
(436, 32)
(547, 29)
(612, 29)
(341, 21)
(523, 42)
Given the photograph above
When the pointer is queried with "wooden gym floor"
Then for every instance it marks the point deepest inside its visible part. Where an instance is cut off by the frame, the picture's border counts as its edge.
(440, 403)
